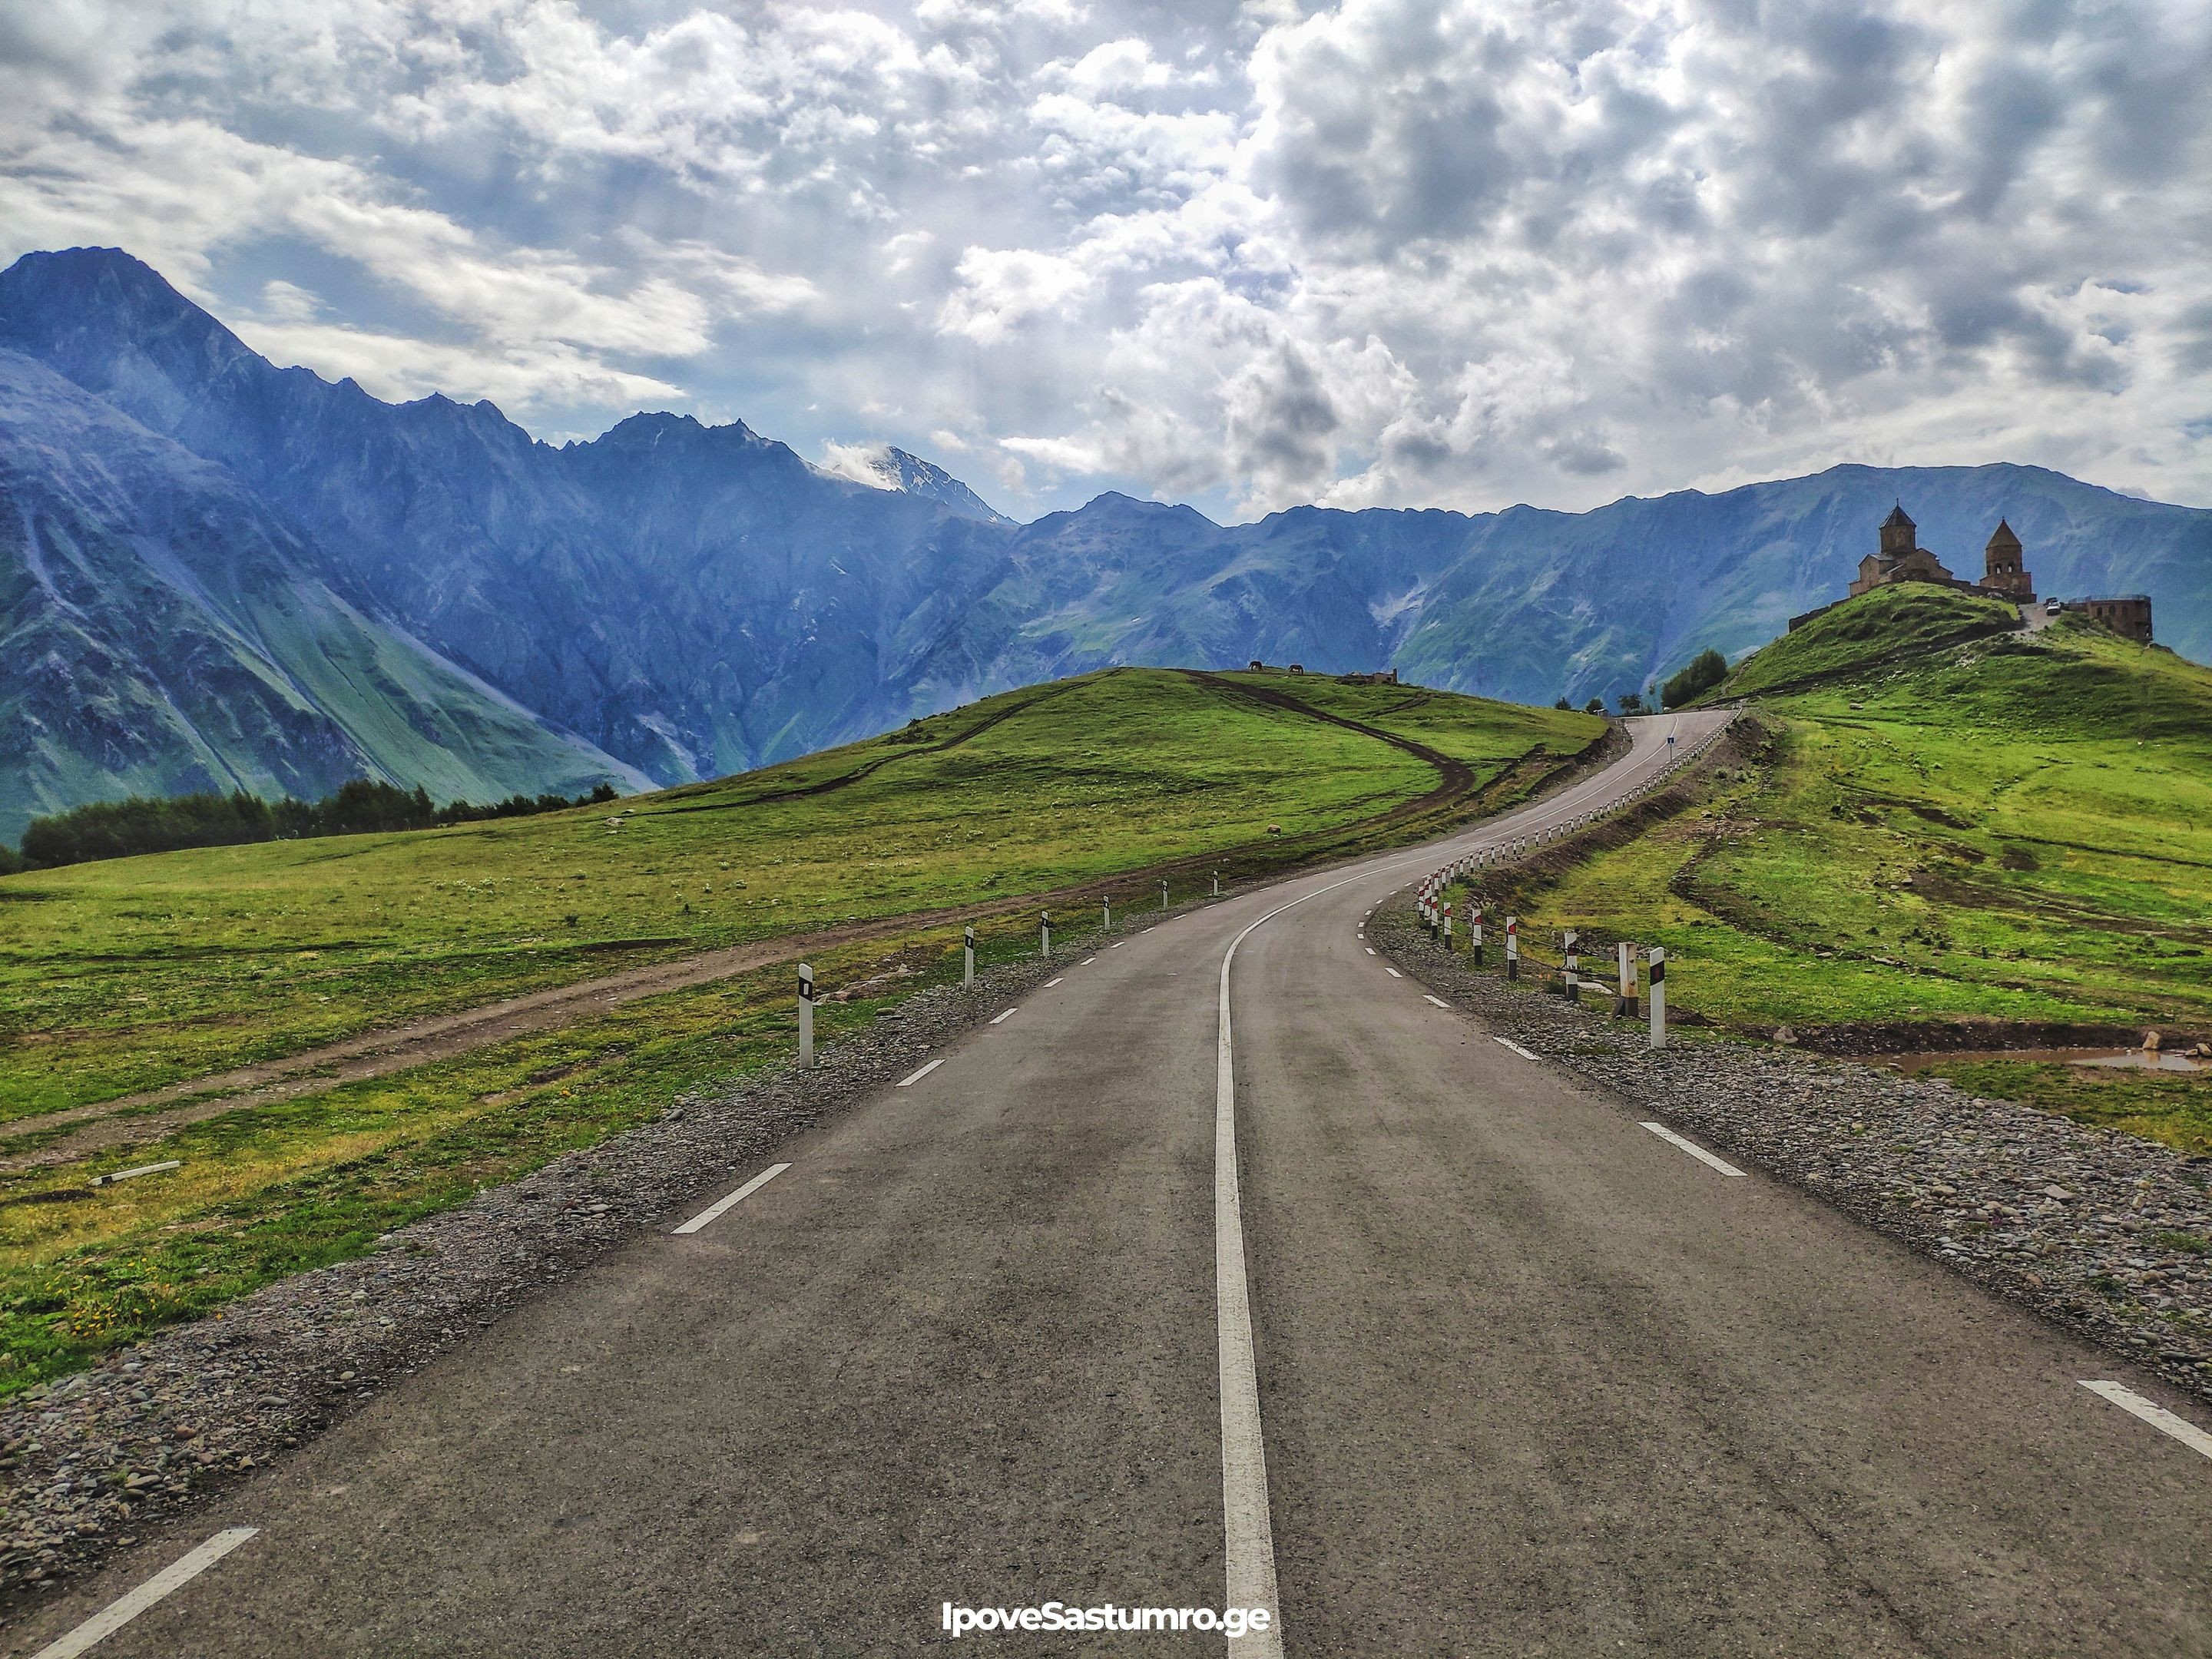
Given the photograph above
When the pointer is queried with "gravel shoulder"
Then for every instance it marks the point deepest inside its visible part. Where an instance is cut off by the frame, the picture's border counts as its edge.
(2102, 1234)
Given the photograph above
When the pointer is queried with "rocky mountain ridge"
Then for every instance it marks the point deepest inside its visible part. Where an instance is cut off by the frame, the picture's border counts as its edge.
(673, 600)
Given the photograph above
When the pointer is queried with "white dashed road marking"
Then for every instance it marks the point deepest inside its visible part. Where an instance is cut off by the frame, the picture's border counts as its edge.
(1439, 1001)
(2156, 1415)
(1048, 984)
(738, 1197)
(118, 1614)
(1009, 1014)
(1371, 950)
(909, 1081)
(1693, 1149)
(1394, 973)
(1525, 1054)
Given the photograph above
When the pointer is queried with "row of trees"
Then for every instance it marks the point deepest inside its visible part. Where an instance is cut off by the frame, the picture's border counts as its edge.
(115, 829)
(1706, 670)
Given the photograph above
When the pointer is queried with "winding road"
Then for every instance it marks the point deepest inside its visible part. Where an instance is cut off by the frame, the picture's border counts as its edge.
(1229, 1269)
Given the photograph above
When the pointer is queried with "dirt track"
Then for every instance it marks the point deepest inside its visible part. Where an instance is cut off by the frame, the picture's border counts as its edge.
(138, 1117)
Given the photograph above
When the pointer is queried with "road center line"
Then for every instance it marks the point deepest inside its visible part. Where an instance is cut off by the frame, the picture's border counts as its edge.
(2151, 1412)
(1525, 1054)
(174, 1576)
(739, 1196)
(1009, 1014)
(913, 1078)
(1439, 1001)
(1693, 1149)
(1248, 1531)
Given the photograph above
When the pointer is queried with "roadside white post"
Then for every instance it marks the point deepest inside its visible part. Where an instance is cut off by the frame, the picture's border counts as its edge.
(1045, 932)
(1217, 883)
(1627, 977)
(1658, 996)
(967, 973)
(1447, 944)
(1474, 922)
(1106, 913)
(1512, 947)
(806, 1016)
(1571, 962)
(1163, 892)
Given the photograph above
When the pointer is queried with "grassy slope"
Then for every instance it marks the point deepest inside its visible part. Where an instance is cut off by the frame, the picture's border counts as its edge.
(122, 975)
(2008, 828)
(119, 974)
(1890, 621)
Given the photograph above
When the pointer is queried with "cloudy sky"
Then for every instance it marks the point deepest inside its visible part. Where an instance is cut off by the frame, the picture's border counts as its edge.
(1245, 255)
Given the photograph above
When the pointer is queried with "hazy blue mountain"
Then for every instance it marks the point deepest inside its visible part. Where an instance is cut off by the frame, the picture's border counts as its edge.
(163, 631)
(695, 599)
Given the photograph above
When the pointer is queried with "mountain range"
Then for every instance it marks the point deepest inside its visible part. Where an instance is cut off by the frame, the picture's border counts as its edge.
(219, 572)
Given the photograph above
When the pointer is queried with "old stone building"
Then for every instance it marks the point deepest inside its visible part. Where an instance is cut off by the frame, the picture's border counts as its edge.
(2002, 571)
(2125, 614)
(1900, 558)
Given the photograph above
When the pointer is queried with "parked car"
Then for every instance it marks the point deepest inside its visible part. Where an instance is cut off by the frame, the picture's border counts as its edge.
(2052, 607)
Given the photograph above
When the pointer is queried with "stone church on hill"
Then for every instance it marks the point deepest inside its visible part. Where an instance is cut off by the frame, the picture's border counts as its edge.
(1899, 558)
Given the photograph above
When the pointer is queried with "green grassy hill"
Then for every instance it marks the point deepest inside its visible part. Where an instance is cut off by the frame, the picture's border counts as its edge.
(127, 974)
(1890, 622)
(1945, 824)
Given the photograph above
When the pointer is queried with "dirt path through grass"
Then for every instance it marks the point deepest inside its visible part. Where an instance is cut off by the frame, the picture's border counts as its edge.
(78, 1132)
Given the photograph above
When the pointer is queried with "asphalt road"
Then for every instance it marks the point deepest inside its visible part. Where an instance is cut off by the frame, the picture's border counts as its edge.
(1526, 1378)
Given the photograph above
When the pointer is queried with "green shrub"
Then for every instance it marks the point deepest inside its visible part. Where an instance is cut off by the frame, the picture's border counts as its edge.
(1707, 669)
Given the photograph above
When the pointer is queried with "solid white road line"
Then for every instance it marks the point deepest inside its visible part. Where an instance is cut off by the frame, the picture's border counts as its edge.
(1693, 1149)
(2156, 1415)
(738, 1197)
(1525, 1054)
(120, 1613)
(1248, 1531)
(1009, 1014)
(909, 1081)
(1439, 1001)
(1394, 973)
(1048, 984)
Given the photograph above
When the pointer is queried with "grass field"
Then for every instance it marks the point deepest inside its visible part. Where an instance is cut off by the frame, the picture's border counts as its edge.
(119, 977)
(1995, 827)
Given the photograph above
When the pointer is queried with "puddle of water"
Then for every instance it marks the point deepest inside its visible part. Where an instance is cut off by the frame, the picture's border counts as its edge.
(2142, 1060)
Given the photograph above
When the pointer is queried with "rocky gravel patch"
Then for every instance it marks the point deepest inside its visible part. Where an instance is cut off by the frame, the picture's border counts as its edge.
(2105, 1234)
(89, 1461)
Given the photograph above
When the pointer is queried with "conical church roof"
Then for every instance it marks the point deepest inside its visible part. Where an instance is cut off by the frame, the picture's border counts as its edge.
(2002, 536)
(1897, 520)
